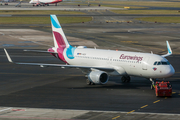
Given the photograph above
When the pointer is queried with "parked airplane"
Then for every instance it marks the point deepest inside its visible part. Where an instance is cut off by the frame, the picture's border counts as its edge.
(44, 2)
(99, 64)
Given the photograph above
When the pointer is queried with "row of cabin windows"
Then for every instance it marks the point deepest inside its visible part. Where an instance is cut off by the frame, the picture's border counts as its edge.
(107, 59)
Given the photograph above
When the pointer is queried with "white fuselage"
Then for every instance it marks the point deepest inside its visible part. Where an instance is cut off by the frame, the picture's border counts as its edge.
(131, 63)
(44, 1)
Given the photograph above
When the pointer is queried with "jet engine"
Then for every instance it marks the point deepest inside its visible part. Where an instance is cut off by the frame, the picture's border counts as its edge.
(98, 77)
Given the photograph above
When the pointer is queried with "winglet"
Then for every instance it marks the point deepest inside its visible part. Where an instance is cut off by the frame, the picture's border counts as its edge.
(8, 57)
(169, 50)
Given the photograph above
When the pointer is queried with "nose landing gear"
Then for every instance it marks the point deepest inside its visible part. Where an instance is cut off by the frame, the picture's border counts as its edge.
(153, 83)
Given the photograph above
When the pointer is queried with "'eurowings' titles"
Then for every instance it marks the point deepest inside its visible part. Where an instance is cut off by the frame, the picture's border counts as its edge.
(127, 57)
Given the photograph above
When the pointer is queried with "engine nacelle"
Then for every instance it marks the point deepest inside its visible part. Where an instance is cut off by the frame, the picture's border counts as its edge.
(98, 77)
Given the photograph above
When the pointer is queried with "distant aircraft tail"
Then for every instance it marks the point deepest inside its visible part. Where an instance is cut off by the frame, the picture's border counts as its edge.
(60, 40)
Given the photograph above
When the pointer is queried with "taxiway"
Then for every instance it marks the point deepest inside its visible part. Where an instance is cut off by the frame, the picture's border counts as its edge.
(31, 92)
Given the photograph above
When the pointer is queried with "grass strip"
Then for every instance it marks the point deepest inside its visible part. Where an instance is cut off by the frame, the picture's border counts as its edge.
(160, 19)
(146, 11)
(141, 3)
(42, 20)
(38, 12)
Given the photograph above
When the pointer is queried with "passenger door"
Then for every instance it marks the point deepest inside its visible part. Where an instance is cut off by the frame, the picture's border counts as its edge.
(144, 63)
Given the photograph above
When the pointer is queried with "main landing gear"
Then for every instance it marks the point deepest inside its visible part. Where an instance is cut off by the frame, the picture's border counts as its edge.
(88, 82)
(125, 79)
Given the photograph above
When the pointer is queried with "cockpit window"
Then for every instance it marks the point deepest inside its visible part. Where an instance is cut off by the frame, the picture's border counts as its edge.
(164, 63)
(161, 63)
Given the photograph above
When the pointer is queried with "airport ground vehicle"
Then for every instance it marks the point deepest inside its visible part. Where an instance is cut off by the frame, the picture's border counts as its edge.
(163, 89)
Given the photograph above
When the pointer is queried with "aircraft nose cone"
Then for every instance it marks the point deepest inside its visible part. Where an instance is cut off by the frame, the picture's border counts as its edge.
(170, 71)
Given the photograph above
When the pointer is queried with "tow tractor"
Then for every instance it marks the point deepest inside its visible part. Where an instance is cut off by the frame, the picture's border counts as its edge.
(163, 89)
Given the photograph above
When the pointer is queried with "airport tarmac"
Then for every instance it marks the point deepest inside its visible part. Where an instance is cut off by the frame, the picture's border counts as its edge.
(57, 90)
(32, 92)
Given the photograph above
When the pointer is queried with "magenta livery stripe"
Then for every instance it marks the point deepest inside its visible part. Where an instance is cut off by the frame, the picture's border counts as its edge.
(59, 39)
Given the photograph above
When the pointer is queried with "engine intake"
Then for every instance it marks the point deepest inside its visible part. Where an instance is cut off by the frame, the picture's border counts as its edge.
(98, 77)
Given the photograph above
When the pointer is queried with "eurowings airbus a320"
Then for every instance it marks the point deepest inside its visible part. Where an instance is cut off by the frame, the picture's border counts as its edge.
(99, 64)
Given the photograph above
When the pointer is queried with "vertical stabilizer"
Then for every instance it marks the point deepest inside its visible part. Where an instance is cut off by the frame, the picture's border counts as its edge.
(59, 37)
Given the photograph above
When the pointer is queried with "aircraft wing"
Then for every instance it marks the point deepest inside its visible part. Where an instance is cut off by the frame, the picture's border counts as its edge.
(68, 66)
(59, 65)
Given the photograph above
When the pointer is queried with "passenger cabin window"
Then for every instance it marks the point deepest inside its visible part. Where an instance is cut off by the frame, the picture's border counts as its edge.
(161, 63)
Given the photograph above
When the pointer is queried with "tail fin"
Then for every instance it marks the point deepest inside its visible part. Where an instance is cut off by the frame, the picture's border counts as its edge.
(59, 37)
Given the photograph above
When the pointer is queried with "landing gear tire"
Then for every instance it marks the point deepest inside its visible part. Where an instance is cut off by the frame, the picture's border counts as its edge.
(125, 79)
(128, 79)
(88, 82)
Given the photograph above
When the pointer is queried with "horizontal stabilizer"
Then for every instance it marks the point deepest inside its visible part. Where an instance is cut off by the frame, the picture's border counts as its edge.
(39, 51)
